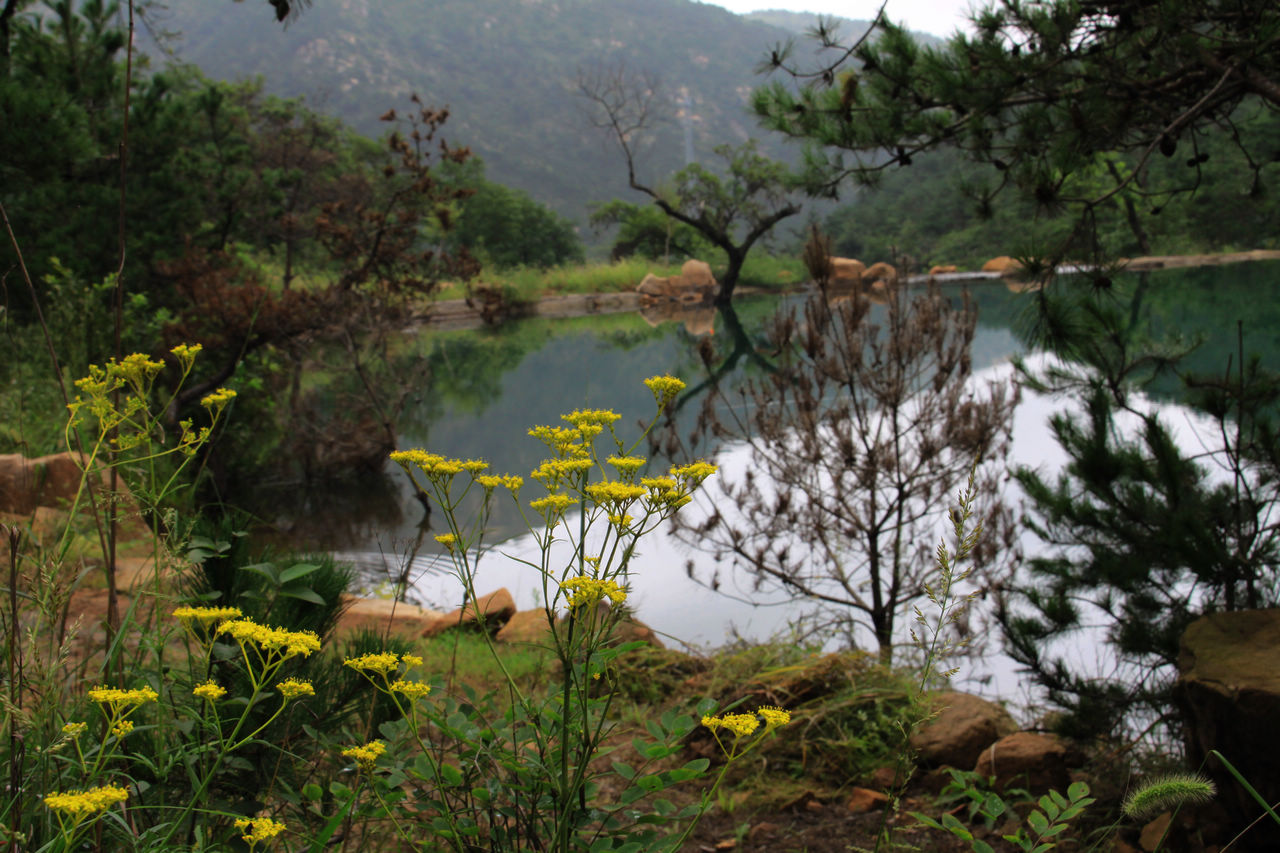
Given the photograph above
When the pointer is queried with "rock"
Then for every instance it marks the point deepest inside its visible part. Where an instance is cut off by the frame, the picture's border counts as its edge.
(383, 616)
(526, 626)
(1154, 832)
(1229, 692)
(1028, 760)
(880, 272)
(1003, 265)
(940, 269)
(965, 725)
(46, 481)
(697, 274)
(846, 270)
(492, 611)
(695, 283)
(865, 800)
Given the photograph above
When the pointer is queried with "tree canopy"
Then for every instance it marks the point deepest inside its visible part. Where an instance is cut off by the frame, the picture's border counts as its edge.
(1068, 101)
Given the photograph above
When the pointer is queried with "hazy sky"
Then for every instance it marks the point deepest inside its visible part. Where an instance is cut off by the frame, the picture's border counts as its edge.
(939, 17)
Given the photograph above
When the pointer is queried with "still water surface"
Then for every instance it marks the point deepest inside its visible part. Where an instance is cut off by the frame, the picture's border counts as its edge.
(489, 386)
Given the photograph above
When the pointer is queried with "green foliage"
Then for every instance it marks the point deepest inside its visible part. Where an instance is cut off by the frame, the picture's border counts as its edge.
(1053, 818)
(1061, 101)
(646, 231)
(507, 228)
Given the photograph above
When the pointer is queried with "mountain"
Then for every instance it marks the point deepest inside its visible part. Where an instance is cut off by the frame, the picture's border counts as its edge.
(799, 24)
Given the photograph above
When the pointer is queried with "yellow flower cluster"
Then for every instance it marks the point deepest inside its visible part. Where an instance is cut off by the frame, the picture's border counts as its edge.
(627, 465)
(614, 493)
(209, 690)
(82, 803)
(292, 688)
(563, 441)
(583, 591)
(743, 725)
(382, 663)
(186, 354)
(553, 473)
(510, 482)
(273, 640)
(217, 401)
(432, 464)
(367, 755)
(259, 828)
(694, 473)
(207, 615)
(664, 388)
(591, 417)
(448, 540)
(122, 728)
(74, 730)
(412, 690)
(116, 699)
(552, 506)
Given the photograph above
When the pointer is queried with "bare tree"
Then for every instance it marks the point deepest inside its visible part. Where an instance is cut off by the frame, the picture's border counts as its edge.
(733, 210)
(859, 439)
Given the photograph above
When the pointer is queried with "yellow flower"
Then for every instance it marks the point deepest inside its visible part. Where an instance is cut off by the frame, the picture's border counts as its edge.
(591, 417)
(259, 828)
(508, 481)
(366, 756)
(292, 688)
(448, 540)
(186, 354)
(217, 401)
(207, 615)
(210, 690)
(411, 660)
(116, 699)
(82, 803)
(412, 690)
(664, 388)
(383, 663)
(694, 473)
(122, 728)
(552, 506)
(275, 640)
(614, 493)
(474, 466)
(773, 717)
(583, 591)
(627, 465)
(74, 730)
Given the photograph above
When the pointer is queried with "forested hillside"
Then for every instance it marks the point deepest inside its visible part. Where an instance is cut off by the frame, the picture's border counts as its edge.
(506, 71)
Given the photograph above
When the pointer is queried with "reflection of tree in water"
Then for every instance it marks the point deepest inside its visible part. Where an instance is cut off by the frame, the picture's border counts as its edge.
(862, 424)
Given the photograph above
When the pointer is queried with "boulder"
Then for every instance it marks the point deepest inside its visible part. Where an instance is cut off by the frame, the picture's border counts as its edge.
(46, 481)
(846, 270)
(383, 616)
(1028, 760)
(491, 611)
(695, 283)
(964, 726)
(941, 269)
(1003, 265)
(880, 272)
(1229, 691)
(526, 626)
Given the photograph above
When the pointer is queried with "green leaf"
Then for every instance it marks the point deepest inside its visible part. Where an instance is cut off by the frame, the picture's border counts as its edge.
(340, 790)
(1077, 791)
(267, 570)
(303, 592)
(298, 570)
(927, 821)
(312, 791)
(1037, 821)
(982, 846)
(450, 774)
(626, 771)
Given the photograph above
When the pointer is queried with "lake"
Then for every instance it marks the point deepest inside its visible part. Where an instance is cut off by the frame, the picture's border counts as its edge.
(485, 388)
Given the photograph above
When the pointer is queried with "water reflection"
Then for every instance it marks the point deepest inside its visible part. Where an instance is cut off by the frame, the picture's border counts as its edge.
(485, 388)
